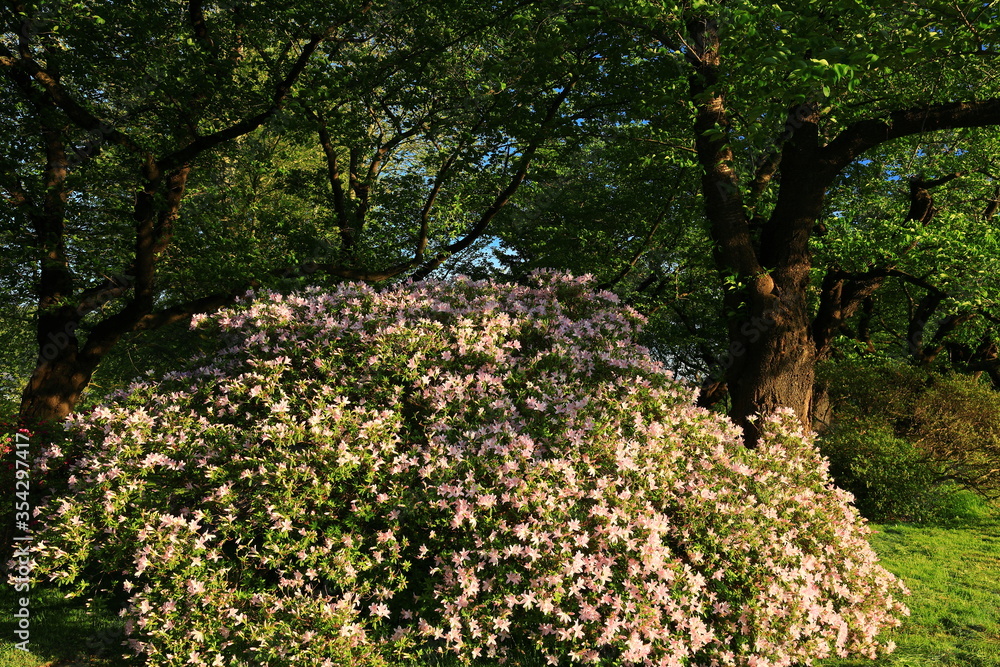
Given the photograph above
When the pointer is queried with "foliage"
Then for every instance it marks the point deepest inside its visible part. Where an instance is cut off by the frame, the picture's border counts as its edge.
(864, 387)
(15, 355)
(159, 163)
(405, 136)
(354, 476)
(904, 436)
(957, 424)
(889, 478)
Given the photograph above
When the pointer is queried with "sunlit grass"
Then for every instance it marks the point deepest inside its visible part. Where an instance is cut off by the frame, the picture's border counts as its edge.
(953, 573)
(952, 570)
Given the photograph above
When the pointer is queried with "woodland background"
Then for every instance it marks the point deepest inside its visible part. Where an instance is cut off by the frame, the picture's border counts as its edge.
(801, 197)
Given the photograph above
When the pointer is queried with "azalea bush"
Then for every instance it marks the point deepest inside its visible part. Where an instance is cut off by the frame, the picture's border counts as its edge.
(357, 477)
(20, 440)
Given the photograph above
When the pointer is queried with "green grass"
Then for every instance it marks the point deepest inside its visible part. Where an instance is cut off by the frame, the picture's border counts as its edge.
(63, 632)
(952, 570)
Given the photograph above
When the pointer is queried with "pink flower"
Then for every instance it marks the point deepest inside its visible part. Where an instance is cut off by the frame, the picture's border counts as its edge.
(625, 515)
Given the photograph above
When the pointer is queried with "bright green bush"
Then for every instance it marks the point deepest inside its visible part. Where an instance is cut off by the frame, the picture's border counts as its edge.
(467, 467)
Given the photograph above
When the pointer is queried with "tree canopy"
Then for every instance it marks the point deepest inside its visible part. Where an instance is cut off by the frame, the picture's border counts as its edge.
(773, 185)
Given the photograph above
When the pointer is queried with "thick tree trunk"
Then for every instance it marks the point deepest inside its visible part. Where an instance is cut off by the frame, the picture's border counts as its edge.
(776, 366)
(782, 361)
(61, 372)
(772, 350)
(770, 359)
(53, 390)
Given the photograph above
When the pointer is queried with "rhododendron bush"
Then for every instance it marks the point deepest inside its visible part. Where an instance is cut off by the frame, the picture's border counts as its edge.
(486, 469)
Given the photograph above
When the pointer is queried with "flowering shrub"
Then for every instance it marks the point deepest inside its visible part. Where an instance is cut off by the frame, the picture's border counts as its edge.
(359, 475)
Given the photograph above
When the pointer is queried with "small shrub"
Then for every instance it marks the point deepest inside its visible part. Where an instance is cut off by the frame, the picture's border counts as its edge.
(358, 476)
(957, 425)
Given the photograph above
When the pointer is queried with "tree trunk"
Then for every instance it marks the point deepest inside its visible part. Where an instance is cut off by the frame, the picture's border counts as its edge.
(61, 373)
(776, 365)
(822, 409)
(53, 390)
(772, 352)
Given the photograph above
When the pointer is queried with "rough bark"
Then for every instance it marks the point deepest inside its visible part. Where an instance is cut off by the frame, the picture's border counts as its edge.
(58, 378)
(762, 337)
(784, 355)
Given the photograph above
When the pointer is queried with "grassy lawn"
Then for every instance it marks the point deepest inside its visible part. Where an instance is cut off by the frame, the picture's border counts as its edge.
(63, 632)
(953, 572)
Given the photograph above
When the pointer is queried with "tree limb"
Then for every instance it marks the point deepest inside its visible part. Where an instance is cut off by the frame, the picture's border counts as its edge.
(864, 135)
(504, 196)
(347, 237)
(196, 17)
(58, 95)
(282, 90)
(639, 253)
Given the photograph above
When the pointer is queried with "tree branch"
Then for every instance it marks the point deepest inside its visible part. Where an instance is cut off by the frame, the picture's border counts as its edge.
(17, 195)
(280, 97)
(337, 187)
(945, 327)
(58, 96)
(94, 297)
(840, 297)
(504, 196)
(992, 205)
(104, 335)
(639, 253)
(865, 134)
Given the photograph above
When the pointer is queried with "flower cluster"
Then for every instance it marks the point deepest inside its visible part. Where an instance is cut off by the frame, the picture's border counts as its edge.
(359, 476)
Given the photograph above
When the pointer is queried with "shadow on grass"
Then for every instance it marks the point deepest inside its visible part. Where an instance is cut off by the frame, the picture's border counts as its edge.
(63, 632)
